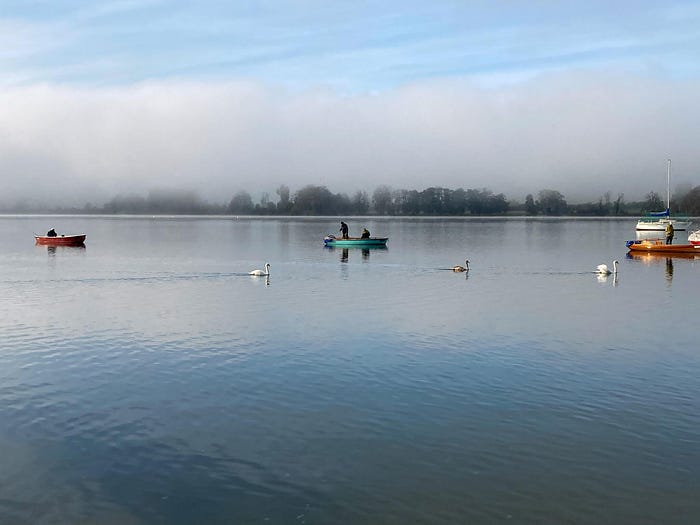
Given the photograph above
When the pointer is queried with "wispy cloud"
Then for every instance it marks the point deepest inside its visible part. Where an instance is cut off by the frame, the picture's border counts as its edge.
(354, 46)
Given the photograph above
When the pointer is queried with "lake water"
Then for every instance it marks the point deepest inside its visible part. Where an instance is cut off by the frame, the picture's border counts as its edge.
(146, 378)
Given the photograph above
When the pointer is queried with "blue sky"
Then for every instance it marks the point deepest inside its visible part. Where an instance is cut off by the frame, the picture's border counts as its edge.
(112, 76)
(349, 46)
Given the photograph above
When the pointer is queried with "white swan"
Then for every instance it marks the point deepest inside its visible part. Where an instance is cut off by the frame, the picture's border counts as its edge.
(604, 270)
(261, 273)
(461, 268)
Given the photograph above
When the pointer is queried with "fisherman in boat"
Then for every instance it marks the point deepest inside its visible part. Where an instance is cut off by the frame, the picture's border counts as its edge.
(344, 229)
(51, 233)
(669, 233)
(365, 233)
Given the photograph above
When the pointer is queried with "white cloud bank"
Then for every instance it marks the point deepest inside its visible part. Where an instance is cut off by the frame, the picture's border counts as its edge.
(582, 134)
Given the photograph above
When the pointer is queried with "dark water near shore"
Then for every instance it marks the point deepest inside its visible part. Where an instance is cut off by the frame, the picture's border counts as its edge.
(146, 378)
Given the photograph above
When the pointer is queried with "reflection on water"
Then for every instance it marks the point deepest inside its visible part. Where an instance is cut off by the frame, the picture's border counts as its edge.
(159, 383)
(657, 258)
(605, 277)
(668, 261)
(364, 250)
(52, 250)
(260, 279)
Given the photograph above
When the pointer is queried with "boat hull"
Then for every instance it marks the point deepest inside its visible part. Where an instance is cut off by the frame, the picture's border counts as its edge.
(355, 241)
(659, 225)
(61, 240)
(659, 246)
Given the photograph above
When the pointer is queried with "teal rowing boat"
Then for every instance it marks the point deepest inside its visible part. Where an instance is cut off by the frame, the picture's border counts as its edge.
(332, 240)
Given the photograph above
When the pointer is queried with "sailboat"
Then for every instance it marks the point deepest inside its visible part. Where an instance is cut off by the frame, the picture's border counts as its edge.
(657, 220)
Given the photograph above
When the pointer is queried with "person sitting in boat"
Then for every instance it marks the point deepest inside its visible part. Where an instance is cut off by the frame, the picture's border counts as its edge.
(51, 233)
(365, 233)
(344, 229)
(669, 233)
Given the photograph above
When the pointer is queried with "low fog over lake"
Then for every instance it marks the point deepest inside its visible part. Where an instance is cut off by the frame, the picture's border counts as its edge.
(581, 134)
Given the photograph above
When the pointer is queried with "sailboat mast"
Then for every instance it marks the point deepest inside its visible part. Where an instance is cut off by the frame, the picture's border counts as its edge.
(668, 186)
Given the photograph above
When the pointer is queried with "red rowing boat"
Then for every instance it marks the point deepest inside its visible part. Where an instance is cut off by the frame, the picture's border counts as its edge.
(60, 240)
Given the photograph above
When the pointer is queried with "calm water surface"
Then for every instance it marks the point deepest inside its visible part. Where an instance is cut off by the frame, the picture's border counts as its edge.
(146, 378)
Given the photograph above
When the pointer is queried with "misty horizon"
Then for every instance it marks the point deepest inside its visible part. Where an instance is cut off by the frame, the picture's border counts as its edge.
(192, 200)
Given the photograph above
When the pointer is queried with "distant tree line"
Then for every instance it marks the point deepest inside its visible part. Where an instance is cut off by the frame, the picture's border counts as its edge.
(438, 201)
(433, 201)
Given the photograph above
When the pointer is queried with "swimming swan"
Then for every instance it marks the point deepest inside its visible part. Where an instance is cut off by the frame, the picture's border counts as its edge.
(461, 268)
(261, 273)
(604, 270)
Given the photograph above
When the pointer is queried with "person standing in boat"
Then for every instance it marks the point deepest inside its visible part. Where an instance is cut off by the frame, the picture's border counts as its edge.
(669, 233)
(344, 229)
(365, 233)
(51, 233)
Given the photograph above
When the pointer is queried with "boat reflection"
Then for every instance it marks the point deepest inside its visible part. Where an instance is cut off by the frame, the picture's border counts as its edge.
(667, 260)
(365, 251)
(657, 258)
(52, 250)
